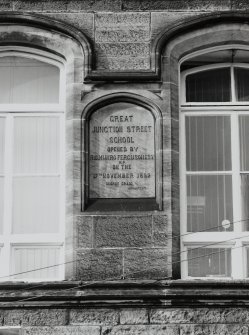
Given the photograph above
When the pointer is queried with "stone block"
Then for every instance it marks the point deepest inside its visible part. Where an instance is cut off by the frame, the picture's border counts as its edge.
(83, 21)
(134, 316)
(199, 316)
(67, 330)
(176, 5)
(84, 231)
(122, 35)
(214, 329)
(34, 317)
(122, 19)
(160, 223)
(161, 231)
(140, 330)
(6, 5)
(67, 5)
(99, 264)
(77, 134)
(161, 20)
(123, 63)
(94, 316)
(239, 4)
(118, 231)
(94, 5)
(148, 263)
(46, 5)
(122, 49)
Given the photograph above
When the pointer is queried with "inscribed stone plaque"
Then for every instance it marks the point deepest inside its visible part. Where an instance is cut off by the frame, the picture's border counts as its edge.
(122, 152)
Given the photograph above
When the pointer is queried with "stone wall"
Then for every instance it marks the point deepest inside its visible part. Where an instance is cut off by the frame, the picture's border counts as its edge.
(143, 321)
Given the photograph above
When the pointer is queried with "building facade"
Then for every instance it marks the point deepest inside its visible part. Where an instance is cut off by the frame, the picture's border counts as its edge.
(124, 130)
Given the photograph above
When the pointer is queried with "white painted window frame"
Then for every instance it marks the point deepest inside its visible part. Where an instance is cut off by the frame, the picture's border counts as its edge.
(9, 241)
(238, 239)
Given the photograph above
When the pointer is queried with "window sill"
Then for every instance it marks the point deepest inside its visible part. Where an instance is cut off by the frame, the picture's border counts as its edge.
(178, 293)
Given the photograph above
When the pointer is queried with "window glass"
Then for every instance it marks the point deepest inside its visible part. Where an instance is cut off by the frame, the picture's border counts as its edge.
(209, 262)
(25, 80)
(1, 203)
(9, 331)
(241, 84)
(209, 202)
(36, 144)
(2, 137)
(35, 204)
(208, 143)
(26, 259)
(209, 86)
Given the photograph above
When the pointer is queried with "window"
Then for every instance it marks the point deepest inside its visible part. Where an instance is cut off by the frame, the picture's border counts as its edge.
(31, 168)
(215, 171)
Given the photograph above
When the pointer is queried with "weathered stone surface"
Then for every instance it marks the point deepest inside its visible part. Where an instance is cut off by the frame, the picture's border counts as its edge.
(122, 19)
(140, 330)
(67, 5)
(201, 315)
(83, 21)
(123, 64)
(99, 264)
(160, 223)
(239, 4)
(161, 20)
(84, 231)
(122, 35)
(122, 49)
(68, 330)
(118, 231)
(193, 5)
(94, 316)
(34, 317)
(47, 5)
(161, 231)
(6, 5)
(217, 329)
(146, 263)
(134, 316)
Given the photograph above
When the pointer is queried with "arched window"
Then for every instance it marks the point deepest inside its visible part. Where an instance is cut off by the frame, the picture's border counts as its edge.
(215, 166)
(31, 167)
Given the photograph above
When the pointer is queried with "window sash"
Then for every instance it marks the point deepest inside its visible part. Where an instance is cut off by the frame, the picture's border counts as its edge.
(238, 237)
(200, 69)
(8, 240)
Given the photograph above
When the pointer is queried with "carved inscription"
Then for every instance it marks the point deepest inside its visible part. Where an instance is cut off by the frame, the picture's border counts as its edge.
(122, 152)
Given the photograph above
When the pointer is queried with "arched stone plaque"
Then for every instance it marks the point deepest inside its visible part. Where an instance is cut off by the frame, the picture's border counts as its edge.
(121, 152)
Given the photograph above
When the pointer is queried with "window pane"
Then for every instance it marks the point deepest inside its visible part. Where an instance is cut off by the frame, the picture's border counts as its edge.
(241, 84)
(9, 331)
(35, 205)
(209, 262)
(36, 144)
(208, 143)
(209, 86)
(31, 258)
(244, 142)
(245, 200)
(1, 204)
(2, 135)
(25, 80)
(209, 202)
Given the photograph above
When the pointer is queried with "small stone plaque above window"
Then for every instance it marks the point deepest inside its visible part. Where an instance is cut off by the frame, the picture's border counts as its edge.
(121, 152)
